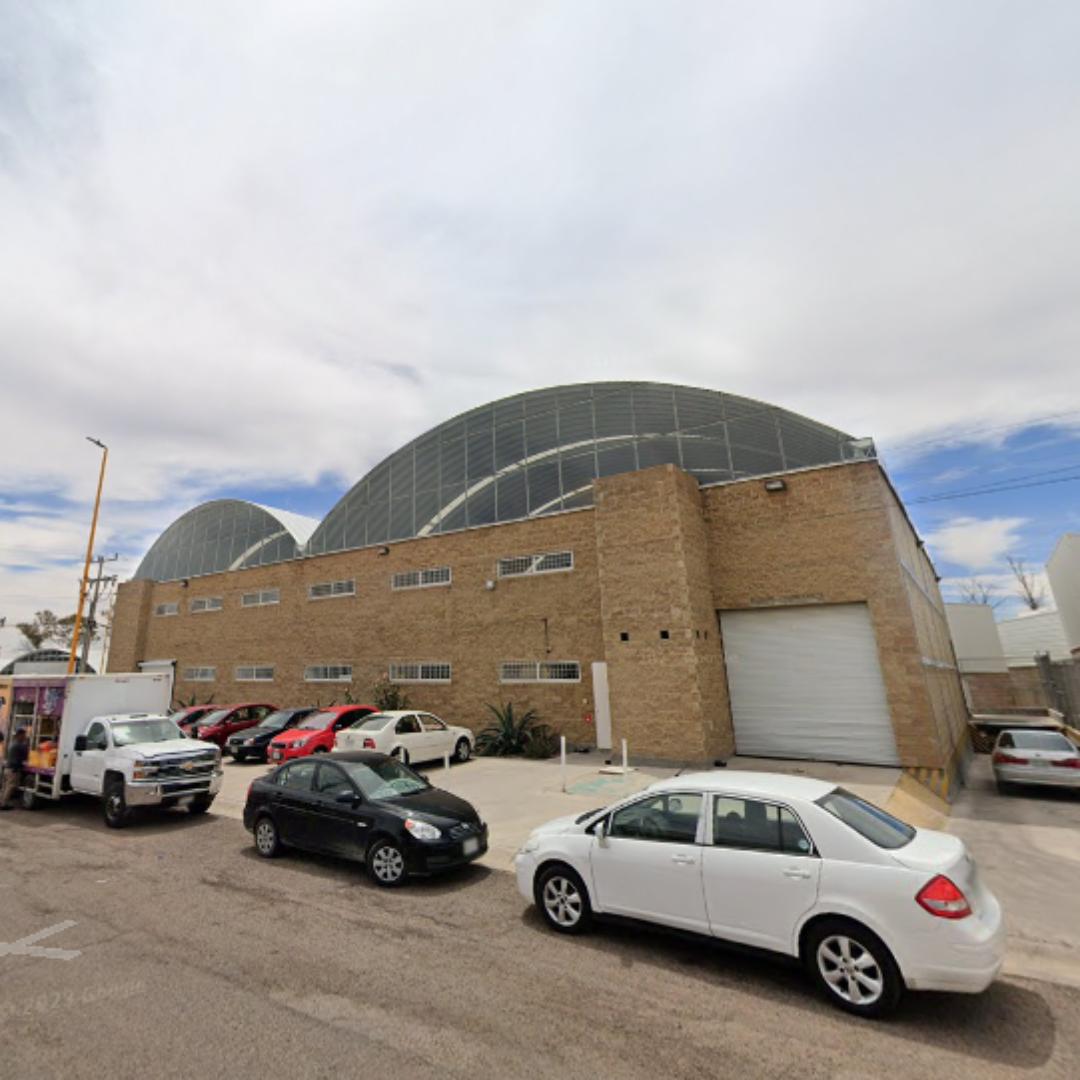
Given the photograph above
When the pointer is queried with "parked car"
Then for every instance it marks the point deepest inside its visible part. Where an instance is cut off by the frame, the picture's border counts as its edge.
(315, 733)
(870, 905)
(228, 720)
(254, 742)
(184, 718)
(367, 807)
(410, 736)
(1035, 757)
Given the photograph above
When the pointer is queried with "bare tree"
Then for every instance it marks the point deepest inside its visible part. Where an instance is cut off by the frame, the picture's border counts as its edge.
(1028, 586)
(974, 591)
(41, 629)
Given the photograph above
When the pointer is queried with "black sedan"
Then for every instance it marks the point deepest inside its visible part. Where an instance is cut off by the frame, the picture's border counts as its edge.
(254, 742)
(364, 806)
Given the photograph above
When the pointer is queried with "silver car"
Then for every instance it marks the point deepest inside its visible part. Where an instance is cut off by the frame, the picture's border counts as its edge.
(1035, 757)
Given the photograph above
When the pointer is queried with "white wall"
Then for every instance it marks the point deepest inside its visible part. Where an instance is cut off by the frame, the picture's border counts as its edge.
(975, 638)
(1063, 570)
(1026, 635)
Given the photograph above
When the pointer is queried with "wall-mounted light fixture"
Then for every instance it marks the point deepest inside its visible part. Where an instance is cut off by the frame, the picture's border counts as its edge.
(384, 550)
(775, 485)
(184, 583)
(489, 584)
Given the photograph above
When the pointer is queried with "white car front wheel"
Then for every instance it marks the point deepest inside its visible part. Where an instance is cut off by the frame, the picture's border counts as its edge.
(563, 900)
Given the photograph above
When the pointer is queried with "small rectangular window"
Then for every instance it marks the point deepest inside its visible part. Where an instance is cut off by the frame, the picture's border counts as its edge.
(261, 598)
(206, 603)
(167, 609)
(328, 673)
(515, 671)
(420, 671)
(200, 674)
(324, 590)
(545, 563)
(254, 673)
(421, 579)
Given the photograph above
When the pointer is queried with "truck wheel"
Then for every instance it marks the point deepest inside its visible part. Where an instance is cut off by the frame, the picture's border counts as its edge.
(200, 804)
(115, 805)
(30, 801)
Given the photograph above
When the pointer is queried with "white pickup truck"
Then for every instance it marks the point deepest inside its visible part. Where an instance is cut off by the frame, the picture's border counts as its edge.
(108, 736)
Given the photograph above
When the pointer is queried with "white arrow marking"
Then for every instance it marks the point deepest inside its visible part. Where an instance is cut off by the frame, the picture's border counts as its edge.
(26, 946)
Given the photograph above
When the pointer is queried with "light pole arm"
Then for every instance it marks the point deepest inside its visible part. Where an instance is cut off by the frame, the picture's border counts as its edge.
(89, 555)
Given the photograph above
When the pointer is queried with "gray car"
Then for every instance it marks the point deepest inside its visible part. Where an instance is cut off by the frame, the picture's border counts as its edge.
(1035, 757)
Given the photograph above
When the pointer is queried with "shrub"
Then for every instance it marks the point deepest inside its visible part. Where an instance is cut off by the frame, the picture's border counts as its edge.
(388, 696)
(511, 733)
(542, 743)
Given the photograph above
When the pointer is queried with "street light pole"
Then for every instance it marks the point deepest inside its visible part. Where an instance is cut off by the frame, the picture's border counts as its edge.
(89, 555)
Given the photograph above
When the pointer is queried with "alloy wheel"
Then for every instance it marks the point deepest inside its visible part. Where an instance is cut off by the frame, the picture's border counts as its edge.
(562, 901)
(388, 864)
(850, 970)
(265, 836)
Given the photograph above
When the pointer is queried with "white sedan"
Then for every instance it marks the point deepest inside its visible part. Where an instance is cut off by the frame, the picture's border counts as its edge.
(869, 904)
(407, 735)
(1046, 758)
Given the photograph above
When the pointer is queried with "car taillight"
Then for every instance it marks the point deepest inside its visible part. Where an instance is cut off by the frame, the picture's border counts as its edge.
(942, 898)
(1001, 758)
(369, 744)
(1068, 763)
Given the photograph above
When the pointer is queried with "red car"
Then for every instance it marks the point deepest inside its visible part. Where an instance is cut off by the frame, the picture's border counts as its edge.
(226, 720)
(191, 715)
(315, 733)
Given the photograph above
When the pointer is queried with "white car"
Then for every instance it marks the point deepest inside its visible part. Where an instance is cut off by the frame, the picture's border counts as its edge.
(869, 904)
(1035, 757)
(408, 735)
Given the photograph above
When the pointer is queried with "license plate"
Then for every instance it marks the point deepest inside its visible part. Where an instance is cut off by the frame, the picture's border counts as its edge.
(471, 846)
(276, 755)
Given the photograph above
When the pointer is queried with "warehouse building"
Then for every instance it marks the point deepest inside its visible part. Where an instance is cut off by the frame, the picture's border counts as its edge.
(699, 573)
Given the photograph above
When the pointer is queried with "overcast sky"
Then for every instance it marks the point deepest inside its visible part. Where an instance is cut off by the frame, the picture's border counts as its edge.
(258, 246)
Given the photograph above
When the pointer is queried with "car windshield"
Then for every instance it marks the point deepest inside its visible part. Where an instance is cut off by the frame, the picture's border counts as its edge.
(214, 718)
(1040, 740)
(317, 721)
(375, 722)
(184, 714)
(867, 820)
(274, 722)
(127, 732)
(384, 779)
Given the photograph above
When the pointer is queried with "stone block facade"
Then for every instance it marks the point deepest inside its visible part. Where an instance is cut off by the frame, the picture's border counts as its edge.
(654, 561)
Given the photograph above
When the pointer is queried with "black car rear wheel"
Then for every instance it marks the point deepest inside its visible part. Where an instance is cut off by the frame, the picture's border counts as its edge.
(386, 863)
(267, 838)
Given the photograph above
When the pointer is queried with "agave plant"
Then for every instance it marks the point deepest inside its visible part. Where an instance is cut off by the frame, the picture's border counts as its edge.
(511, 733)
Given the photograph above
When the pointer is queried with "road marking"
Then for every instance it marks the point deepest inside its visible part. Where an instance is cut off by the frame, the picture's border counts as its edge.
(27, 946)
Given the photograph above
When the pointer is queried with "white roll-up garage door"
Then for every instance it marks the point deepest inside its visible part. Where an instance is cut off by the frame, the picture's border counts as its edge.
(805, 683)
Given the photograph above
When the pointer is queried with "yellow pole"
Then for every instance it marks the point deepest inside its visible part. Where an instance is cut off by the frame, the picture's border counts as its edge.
(89, 555)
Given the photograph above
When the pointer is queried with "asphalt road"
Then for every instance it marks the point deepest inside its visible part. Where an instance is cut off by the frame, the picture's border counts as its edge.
(198, 959)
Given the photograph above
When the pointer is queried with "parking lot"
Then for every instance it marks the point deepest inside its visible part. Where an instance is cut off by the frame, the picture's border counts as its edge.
(194, 954)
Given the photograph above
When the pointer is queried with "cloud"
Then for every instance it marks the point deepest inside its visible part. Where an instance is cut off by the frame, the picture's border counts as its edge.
(263, 245)
(975, 543)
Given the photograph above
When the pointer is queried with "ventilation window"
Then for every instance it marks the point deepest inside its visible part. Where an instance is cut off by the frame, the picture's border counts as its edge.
(167, 609)
(523, 565)
(261, 598)
(624, 636)
(327, 589)
(521, 671)
(421, 579)
(254, 673)
(418, 671)
(200, 674)
(665, 635)
(328, 673)
(206, 603)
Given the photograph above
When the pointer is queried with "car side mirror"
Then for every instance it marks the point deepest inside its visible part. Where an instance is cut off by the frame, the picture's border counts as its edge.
(600, 831)
(80, 743)
(348, 798)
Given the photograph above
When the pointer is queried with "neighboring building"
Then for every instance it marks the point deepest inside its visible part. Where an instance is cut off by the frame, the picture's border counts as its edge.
(692, 571)
(45, 662)
(1025, 636)
(1063, 571)
(979, 656)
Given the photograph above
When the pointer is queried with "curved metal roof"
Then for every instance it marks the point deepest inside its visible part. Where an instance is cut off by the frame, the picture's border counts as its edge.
(45, 656)
(225, 534)
(539, 452)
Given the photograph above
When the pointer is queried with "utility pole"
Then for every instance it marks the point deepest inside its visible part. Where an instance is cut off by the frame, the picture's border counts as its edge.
(89, 552)
(91, 625)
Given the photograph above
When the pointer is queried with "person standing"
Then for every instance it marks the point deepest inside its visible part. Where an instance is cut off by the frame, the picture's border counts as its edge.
(16, 762)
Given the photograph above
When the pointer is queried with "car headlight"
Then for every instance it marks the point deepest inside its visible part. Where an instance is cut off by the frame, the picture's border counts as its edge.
(250, 742)
(532, 844)
(143, 771)
(422, 830)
